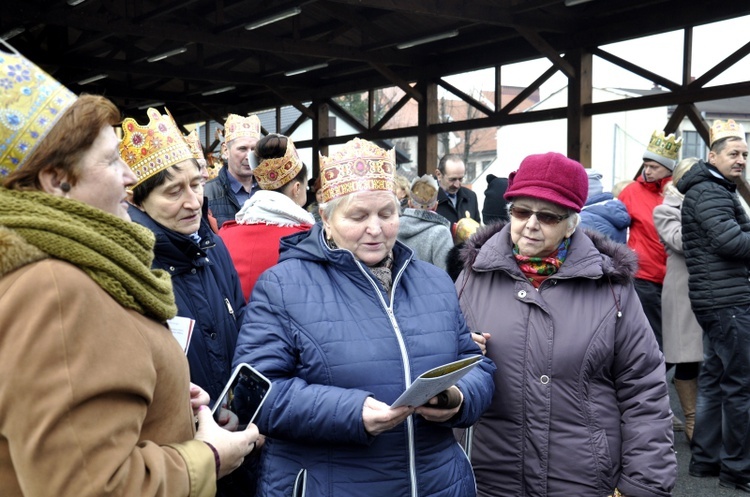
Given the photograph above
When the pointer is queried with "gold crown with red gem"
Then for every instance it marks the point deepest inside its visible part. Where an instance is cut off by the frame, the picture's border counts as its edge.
(236, 126)
(272, 174)
(725, 129)
(154, 147)
(359, 166)
(196, 147)
(31, 103)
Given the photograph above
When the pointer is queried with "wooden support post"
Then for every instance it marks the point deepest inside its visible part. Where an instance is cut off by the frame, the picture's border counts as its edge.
(580, 94)
(426, 139)
(319, 131)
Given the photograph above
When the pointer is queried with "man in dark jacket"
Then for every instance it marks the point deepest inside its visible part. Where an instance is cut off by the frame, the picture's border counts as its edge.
(235, 182)
(716, 240)
(455, 200)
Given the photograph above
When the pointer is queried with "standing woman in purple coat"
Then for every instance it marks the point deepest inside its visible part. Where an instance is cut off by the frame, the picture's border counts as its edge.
(580, 405)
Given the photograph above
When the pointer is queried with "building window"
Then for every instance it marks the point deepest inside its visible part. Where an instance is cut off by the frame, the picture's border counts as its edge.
(692, 145)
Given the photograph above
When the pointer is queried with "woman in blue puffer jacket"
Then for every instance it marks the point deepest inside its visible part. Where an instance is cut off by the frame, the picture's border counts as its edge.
(342, 326)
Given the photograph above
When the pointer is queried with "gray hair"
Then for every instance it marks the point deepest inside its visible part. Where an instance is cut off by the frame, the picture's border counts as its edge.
(328, 208)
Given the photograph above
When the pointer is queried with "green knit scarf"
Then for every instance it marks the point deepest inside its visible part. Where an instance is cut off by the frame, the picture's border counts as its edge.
(115, 253)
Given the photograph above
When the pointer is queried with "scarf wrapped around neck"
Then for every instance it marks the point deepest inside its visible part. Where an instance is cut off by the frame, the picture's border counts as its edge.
(537, 269)
(381, 270)
(116, 254)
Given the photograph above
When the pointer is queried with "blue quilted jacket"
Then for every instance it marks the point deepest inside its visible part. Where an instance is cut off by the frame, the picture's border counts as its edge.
(207, 289)
(322, 328)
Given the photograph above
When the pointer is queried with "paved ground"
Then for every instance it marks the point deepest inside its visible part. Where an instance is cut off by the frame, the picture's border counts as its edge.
(688, 486)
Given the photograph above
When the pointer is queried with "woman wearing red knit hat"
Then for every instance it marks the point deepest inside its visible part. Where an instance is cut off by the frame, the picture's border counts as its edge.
(580, 405)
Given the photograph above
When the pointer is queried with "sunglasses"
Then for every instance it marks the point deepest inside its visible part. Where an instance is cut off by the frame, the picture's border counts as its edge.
(546, 218)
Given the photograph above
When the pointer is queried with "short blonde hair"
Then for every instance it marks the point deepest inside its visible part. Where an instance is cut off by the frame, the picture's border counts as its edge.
(401, 182)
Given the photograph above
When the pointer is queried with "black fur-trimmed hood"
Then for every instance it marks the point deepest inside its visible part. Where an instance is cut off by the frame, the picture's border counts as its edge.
(618, 262)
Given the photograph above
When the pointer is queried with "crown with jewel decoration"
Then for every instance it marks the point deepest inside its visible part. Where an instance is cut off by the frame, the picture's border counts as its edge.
(196, 147)
(663, 149)
(236, 126)
(31, 103)
(358, 166)
(272, 174)
(154, 147)
(726, 129)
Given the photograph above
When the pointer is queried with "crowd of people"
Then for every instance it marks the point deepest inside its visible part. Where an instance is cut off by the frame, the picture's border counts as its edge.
(133, 281)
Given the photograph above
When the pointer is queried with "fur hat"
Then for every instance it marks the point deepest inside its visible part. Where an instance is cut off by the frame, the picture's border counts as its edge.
(551, 177)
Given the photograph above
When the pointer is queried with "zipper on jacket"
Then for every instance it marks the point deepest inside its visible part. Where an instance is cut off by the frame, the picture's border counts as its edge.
(229, 308)
(405, 360)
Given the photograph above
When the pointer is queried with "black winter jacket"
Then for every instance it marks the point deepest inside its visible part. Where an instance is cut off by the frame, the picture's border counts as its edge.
(715, 238)
(221, 201)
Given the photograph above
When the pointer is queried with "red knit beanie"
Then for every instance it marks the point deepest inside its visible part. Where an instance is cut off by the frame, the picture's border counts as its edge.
(551, 177)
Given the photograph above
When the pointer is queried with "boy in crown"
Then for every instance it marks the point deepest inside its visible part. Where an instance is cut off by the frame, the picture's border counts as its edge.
(716, 241)
(640, 198)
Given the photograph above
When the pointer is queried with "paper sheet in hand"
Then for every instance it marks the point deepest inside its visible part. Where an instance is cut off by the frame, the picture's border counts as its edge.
(435, 381)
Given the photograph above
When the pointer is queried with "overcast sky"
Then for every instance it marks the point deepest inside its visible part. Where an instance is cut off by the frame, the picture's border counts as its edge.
(660, 54)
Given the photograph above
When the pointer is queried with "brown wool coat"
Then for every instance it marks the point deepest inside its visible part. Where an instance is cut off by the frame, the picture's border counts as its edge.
(94, 398)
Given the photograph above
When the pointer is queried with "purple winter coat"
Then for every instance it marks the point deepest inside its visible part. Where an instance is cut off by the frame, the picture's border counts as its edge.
(580, 404)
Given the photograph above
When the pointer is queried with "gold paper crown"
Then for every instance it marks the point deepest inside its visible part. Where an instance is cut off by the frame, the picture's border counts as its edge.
(721, 129)
(272, 174)
(237, 126)
(424, 191)
(31, 102)
(154, 147)
(358, 166)
(194, 142)
(667, 147)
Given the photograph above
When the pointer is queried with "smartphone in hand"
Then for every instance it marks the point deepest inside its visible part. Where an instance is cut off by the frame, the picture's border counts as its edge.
(243, 394)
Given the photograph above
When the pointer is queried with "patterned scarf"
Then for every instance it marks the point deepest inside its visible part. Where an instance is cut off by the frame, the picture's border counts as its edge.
(381, 270)
(115, 253)
(537, 269)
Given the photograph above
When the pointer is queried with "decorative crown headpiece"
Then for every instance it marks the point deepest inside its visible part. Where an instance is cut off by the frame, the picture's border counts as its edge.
(154, 147)
(721, 129)
(358, 166)
(424, 191)
(663, 149)
(236, 126)
(272, 174)
(196, 147)
(31, 103)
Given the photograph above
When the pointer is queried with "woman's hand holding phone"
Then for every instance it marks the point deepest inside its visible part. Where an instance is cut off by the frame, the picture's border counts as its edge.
(232, 446)
(198, 398)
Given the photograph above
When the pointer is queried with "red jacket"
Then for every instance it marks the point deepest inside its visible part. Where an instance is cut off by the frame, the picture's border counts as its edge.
(641, 198)
(254, 248)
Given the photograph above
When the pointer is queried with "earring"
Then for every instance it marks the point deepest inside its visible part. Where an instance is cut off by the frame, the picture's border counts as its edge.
(65, 187)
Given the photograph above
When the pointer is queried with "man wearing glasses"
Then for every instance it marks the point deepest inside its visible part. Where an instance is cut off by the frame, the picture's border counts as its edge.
(454, 200)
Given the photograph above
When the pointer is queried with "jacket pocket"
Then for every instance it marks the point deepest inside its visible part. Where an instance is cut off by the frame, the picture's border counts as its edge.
(300, 484)
(603, 460)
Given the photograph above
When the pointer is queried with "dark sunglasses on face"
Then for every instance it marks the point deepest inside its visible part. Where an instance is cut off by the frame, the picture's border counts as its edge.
(546, 218)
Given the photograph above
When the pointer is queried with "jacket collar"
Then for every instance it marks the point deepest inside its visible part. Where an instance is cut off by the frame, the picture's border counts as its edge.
(591, 255)
(175, 251)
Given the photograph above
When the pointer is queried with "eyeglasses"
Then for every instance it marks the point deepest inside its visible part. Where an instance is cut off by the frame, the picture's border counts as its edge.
(546, 218)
